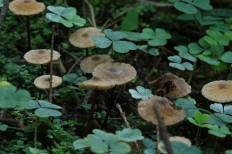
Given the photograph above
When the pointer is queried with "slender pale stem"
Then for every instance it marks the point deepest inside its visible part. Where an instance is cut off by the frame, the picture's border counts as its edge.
(35, 132)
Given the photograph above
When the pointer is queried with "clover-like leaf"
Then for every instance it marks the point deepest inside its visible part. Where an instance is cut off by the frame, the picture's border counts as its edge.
(123, 46)
(10, 97)
(228, 109)
(188, 66)
(141, 93)
(186, 8)
(119, 148)
(115, 36)
(227, 57)
(175, 58)
(208, 60)
(219, 132)
(45, 112)
(178, 66)
(96, 144)
(186, 104)
(130, 135)
(199, 119)
(79, 144)
(194, 48)
(217, 107)
(101, 41)
(74, 78)
(75, 19)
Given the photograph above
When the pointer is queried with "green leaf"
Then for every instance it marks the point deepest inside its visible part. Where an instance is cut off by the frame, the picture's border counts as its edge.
(186, 104)
(37, 151)
(3, 127)
(48, 105)
(10, 98)
(184, 7)
(74, 78)
(66, 23)
(150, 151)
(56, 9)
(154, 51)
(79, 144)
(181, 48)
(1, 3)
(123, 46)
(101, 41)
(33, 105)
(188, 66)
(75, 19)
(178, 66)
(157, 42)
(229, 34)
(210, 41)
(119, 148)
(228, 151)
(209, 60)
(141, 93)
(227, 57)
(201, 118)
(228, 109)
(187, 56)
(220, 67)
(108, 138)
(96, 144)
(115, 36)
(147, 33)
(130, 22)
(162, 34)
(224, 117)
(219, 37)
(176, 59)
(53, 17)
(149, 144)
(133, 36)
(216, 107)
(194, 48)
(203, 4)
(45, 112)
(130, 135)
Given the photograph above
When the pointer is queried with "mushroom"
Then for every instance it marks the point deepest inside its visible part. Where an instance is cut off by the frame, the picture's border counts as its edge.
(81, 38)
(26, 8)
(218, 91)
(107, 76)
(171, 86)
(171, 113)
(43, 82)
(174, 139)
(89, 63)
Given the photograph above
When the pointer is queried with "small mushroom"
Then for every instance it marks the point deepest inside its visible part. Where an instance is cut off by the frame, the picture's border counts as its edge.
(171, 86)
(218, 91)
(89, 63)
(170, 112)
(43, 82)
(81, 38)
(175, 139)
(27, 8)
(41, 56)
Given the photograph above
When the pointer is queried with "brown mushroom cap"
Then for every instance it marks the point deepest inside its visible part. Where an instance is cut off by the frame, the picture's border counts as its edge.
(97, 84)
(115, 73)
(171, 86)
(174, 139)
(43, 82)
(26, 7)
(89, 63)
(81, 38)
(40, 56)
(171, 113)
(218, 91)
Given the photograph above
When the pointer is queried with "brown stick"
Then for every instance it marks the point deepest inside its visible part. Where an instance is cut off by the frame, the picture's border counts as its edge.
(51, 64)
(162, 128)
(12, 122)
(118, 106)
(4, 11)
(92, 12)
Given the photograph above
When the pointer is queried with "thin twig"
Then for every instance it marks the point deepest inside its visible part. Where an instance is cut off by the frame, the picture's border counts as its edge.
(162, 128)
(92, 12)
(118, 106)
(74, 65)
(65, 51)
(51, 64)
(4, 11)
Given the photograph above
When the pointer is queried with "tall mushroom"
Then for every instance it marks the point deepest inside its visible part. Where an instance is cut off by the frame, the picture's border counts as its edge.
(26, 8)
(81, 38)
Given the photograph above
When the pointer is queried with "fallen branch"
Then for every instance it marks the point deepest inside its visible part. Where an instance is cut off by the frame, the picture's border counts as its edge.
(92, 12)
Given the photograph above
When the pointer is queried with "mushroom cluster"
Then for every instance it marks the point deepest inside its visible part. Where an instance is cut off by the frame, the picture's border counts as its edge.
(42, 57)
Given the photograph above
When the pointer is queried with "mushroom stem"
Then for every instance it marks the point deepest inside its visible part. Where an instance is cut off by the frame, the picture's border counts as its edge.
(162, 128)
(112, 104)
(87, 52)
(157, 138)
(28, 33)
(61, 67)
(93, 101)
(35, 132)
